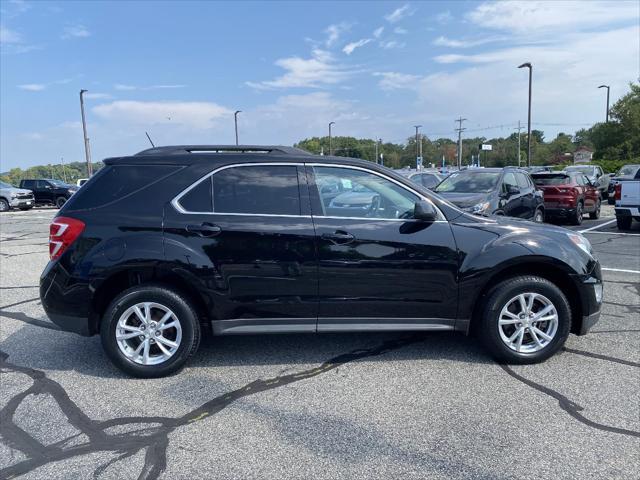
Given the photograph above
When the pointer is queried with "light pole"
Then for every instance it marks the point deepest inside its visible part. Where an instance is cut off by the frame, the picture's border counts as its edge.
(235, 121)
(417, 148)
(607, 87)
(530, 67)
(460, 130)
(330, 145)
(87, 150)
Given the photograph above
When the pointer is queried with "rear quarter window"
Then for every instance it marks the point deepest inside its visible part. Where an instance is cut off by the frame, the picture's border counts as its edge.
(117, 182)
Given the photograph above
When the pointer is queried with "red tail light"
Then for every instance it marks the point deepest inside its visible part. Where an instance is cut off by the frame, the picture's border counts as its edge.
(63, 231)
(618, 191)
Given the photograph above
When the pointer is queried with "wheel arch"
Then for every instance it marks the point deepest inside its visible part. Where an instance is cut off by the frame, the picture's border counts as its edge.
(120, 281)
(549, 271)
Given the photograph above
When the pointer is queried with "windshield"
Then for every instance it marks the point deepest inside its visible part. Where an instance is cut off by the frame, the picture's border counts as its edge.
(469, 182)
(585, 170)
(560, 179)
(627, 171)
(5, 185)
(58, 183)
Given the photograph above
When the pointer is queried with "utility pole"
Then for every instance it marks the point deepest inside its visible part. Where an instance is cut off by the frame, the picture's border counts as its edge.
(87, 150)
(377, 158)
(64, 172)
(608, 88)
(519, 128)
(330, 145)
(460, 130)
(235, 121)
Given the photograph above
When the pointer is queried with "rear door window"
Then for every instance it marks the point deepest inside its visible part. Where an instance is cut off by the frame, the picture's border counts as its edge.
(199, 199)
(257, 190)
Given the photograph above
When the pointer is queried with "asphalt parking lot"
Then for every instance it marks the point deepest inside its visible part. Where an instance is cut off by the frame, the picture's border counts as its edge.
(329, 406)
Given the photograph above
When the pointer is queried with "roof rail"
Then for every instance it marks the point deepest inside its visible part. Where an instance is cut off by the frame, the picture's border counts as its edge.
(185, 149)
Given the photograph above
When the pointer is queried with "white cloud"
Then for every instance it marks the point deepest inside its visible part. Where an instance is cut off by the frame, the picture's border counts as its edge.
(198, 115)
(75, 31)
(32, 87)
(378, 31)
(125, 87)
(539, 16)
(443, 41)
(397, 81)
(319, 70)
(444, 17)
(399, 13)
(9, 36)
(400, 31)
(350, 47)
(97, 96)
(389, 44)
(334, 32)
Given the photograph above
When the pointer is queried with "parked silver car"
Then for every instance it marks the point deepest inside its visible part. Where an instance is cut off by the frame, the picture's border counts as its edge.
(12, 197)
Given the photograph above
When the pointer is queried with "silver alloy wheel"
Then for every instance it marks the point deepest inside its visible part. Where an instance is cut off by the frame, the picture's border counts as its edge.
(4, 205)
(148, 333)
(528, 322)
(539, 218)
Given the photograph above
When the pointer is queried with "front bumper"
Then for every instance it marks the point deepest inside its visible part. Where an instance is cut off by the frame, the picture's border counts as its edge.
(21, 202)
(591, 289)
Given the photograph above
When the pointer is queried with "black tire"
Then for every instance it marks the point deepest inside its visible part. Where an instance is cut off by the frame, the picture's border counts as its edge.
(24, 209)
(60, 201)
(605, 194)
(538, 217)
(596, 213)
(577, 217)
(4, 205)
(163, 295)
(623, 223)
(499, 296)
(611, 200)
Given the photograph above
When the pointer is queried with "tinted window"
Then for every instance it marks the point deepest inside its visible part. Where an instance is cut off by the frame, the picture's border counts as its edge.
(42, 184)
(28, 184)
(558, 179)
(268, 189)
(580, 179)
(363, 195)
(522, 180)
(115, 182)
(199, 198)
(429, 180)
(509, 180)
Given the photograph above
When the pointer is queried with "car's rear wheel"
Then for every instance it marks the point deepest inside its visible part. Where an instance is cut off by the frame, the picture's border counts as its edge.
(60, 201)
(4, 205)
(526, 319)
(623, 223)
(150, 331)
(577, 217)
(611, 200)
(596, 213)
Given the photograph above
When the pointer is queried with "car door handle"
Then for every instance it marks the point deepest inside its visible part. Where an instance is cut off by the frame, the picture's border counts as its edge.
(205, 229)
(339, 237)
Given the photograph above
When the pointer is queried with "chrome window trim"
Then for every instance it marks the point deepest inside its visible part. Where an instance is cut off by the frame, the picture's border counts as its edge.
(176, 200)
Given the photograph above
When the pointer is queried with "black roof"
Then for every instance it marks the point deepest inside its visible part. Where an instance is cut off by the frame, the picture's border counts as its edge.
(186, 149)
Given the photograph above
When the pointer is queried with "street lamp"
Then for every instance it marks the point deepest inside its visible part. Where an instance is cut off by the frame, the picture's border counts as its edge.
(87, 151)
(330, 146)
(417, 148)
(235, 121)
(530, 67)
(607, 87)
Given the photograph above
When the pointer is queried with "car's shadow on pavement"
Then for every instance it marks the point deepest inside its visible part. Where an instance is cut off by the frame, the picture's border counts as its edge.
(51, 350)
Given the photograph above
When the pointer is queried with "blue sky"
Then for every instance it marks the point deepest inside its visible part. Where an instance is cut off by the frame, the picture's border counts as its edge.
(180, 69)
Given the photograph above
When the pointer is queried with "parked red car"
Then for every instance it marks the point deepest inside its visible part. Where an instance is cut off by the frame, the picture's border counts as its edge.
(568, 195)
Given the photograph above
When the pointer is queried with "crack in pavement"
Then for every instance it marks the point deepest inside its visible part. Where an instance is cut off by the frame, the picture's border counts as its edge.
(569, 406)
(155, 441)
(599, 356)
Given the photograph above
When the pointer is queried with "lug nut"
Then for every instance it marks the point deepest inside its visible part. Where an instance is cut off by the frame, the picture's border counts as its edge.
(142, 337)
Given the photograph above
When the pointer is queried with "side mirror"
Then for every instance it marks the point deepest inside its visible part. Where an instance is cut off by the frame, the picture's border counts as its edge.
(424, 211)
(512, 190)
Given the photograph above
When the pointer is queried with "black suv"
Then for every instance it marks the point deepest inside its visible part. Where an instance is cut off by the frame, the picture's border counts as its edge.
(505, 191)
(48, 191)
(240, 240)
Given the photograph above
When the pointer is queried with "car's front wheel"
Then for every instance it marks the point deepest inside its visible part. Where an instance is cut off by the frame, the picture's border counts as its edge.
(539, 216)
(60, 201)
(150, 331)
(4, 205)
(526, 319)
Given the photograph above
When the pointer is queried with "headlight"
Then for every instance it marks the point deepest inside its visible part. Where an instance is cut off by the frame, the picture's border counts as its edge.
(480, 208)
(14, 195)
(581, 242)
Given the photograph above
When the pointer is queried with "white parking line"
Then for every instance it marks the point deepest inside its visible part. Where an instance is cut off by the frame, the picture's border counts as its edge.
(620, 270)
(597, 226)
(614, 233)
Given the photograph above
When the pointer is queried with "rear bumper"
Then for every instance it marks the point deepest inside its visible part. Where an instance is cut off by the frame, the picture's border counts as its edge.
(627, 211)
(559, 212)
(65, 300)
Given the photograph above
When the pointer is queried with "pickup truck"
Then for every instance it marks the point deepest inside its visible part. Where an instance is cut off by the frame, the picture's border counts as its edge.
(48, 191)
(627, 195)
